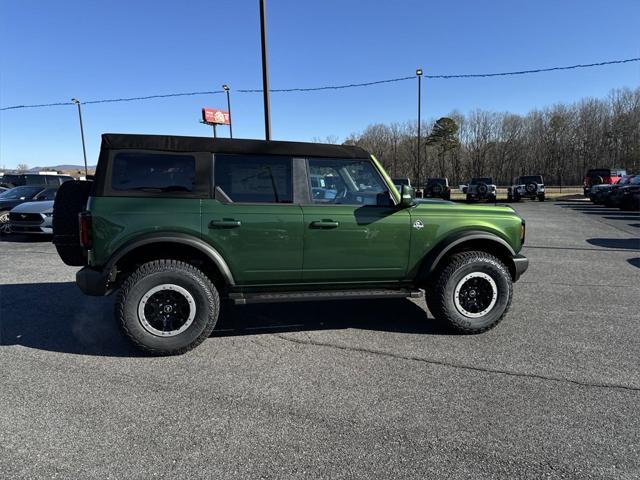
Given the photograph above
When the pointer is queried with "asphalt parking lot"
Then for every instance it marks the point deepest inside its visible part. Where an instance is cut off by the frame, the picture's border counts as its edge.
(371, 389)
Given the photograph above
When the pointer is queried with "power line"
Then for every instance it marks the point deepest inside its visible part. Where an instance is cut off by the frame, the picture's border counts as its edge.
(335, 87)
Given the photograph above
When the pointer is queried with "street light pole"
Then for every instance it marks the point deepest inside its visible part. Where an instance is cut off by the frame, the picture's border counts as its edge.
(84, 149)
(265, 72)
(419, 75)
(225, 87)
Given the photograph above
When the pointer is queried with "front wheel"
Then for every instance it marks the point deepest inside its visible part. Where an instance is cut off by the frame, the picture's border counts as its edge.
(5, 226)
(167, 307)
(472, 293)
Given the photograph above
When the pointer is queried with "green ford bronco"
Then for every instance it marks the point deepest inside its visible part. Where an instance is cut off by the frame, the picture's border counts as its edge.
(175, 224)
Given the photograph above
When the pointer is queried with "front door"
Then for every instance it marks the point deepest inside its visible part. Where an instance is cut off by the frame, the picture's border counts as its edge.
(253, 221)
(352, 230)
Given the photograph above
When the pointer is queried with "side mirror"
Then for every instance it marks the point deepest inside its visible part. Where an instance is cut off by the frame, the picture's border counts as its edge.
(407, 196)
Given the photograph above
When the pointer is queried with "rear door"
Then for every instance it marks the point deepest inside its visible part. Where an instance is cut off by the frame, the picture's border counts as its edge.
(353, 232)
(253, 220)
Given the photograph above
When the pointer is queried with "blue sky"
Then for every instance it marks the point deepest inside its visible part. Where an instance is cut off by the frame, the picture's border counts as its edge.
(52, 51)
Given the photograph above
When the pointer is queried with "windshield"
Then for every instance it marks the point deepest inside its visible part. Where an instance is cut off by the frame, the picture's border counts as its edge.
(436, 181)
(401, 181)
(625, 180)
(475, 181)
(531, 179)
(20, 192)
(599, 172)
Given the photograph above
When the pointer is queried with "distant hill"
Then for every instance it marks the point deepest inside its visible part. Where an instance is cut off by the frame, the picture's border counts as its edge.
(62, 167)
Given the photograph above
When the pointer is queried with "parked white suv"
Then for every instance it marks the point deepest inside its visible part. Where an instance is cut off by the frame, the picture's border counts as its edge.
(480, 188)
(527, 186)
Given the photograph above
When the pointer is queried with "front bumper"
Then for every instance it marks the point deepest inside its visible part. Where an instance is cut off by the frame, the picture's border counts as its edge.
(520, 264)
(92, 282)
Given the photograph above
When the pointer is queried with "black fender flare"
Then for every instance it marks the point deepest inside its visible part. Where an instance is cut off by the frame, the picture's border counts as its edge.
(447, 244)
(178, 238)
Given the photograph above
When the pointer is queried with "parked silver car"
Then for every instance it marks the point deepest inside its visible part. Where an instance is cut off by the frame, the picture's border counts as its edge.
(32, 217)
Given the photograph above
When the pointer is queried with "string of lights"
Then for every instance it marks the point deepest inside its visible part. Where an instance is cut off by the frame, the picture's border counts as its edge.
(334, 87)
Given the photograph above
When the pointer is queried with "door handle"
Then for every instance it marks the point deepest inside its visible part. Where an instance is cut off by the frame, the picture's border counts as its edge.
(324, 224)
(225, 223)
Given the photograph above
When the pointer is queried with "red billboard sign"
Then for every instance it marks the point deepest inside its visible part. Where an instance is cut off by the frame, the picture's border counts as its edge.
(214, 116)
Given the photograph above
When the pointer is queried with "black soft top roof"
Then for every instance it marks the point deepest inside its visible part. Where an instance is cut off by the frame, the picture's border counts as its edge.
(172, 143)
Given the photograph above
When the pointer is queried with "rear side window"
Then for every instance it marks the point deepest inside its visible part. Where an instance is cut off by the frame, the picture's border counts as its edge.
(52, 180)
(254, 178)
(153, 173)
(36, 179)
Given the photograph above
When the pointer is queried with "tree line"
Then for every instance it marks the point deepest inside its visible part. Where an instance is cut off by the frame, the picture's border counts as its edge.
(559, 142)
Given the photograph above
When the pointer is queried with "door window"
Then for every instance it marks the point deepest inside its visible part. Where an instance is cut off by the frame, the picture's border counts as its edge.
(254, 178)
(347, 182)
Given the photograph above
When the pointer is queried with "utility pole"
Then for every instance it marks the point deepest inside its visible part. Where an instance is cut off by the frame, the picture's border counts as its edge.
(84, 149)
(265, 71)
(225, 87)
(419, 75)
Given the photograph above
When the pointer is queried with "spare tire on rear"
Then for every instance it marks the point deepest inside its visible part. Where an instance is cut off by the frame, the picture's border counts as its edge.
(71, 199)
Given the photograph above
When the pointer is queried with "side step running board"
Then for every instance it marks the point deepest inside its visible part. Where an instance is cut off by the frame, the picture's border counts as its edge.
(276, 297)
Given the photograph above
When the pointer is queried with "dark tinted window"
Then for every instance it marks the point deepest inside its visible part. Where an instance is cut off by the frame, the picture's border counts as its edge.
(153, 173)
(254, 179)
(25, 191)
(36, 179)
(52, 180)
(401, 181)
(602, 172)
(531, 179)
(11, 179)
(475, 181)
(436, 181)
(47, 194)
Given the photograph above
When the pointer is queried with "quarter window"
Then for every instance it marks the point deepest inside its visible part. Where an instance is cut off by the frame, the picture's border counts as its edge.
(153, 173)
(347, 182)
(254, 179)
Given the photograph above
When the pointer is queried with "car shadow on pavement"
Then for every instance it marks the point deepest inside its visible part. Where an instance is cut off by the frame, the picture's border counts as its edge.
(635, 262)
(391, 315)
(17, 238)
(618, 243)
(58, 317)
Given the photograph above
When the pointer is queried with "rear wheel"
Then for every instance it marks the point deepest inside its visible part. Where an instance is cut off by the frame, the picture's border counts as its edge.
(472, 293)
(167, 307)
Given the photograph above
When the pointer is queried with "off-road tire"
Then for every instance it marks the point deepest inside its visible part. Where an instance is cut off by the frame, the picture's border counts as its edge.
(493, 198)
(469, 199)
(158, 272)
(71, 199)
(440, 292)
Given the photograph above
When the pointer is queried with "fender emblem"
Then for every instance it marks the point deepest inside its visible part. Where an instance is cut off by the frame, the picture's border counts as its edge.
(418, 225)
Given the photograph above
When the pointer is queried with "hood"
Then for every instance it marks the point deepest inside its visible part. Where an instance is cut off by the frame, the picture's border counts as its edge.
(444, 206)
(4, 204)
(41, 206)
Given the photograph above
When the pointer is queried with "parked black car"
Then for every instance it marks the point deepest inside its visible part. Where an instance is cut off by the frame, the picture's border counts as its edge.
(623, 194)
(11, 180)
(599, 193)
(437, 188)
(16, 196)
